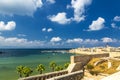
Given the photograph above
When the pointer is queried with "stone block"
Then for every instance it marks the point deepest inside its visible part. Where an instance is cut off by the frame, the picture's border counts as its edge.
(74, 67)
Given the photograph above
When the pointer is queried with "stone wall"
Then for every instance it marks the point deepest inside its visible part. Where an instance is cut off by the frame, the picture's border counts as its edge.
(72, 73)
(45, 76)
(85, 58)
(78, 75)
(114, 54)
(78, 62)
(74, 67)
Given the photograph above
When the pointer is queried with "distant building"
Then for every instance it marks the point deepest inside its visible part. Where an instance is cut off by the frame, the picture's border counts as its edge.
(113, 51)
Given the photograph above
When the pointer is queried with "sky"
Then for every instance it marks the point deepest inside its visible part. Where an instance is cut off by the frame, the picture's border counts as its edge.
(59, 23)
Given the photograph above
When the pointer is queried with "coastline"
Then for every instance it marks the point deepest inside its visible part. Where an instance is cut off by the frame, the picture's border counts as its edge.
(13, 58)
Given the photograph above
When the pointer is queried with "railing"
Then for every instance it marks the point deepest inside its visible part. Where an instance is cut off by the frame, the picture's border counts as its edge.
(78, 75)
(45, 76)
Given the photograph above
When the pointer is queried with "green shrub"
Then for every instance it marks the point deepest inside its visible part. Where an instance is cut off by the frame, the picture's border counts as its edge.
(102, 67)
(40, 68)
(58, 68)
(52, 65)
(66, 65)
(94, 72)
(89, 66)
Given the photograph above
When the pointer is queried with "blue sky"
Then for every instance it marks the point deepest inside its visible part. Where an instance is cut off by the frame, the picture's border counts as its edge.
(59, 23)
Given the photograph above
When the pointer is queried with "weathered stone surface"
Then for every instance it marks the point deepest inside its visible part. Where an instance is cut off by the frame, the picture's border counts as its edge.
(115, 76)
(109, 64)
(45, 76)
(74, 67)
(86, 58)
(77, 64)
(118, 68)
(78, 75)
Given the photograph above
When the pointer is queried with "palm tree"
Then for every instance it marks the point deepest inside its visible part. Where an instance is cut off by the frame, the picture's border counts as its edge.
(53, 65)
(58, 68)
(27, 71)
(20, 70)
(66, 65)
(40, 68)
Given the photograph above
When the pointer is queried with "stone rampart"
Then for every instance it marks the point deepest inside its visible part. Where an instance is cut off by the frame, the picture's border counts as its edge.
(85, 58)
(74, 71)
(74, 67)
(45, 76)
(114, 54)
(78, 75)
(78, 62)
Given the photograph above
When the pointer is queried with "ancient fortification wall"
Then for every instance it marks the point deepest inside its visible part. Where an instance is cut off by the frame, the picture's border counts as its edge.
(78, 75)
(75, 70)
(78, 62)
(45, 76)
(114, 54)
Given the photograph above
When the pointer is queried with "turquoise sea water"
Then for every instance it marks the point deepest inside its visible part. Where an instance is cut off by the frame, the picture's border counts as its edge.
(10, 59)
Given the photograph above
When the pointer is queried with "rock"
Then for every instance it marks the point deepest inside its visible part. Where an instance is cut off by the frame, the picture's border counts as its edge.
(99, 62)
(109, 64)
(118, 68)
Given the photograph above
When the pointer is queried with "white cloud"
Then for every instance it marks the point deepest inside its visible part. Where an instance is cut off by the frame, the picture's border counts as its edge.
(38, 3)
(19, 42)
(79, 9)
(113, 25)
(97, 25)
(107, 39)
(91, 41)
(22, 35)
(75, 40)
(19, 7)
(60, 18)
(82, 41)
(78, 42)
(43, 29)
(50, 1)
(14, 42)
(68, 6)
(49, 30)
(7, 27)
(116, 18)
(55, 39)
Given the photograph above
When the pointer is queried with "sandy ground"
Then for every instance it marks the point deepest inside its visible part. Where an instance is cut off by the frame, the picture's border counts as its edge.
(88, 76)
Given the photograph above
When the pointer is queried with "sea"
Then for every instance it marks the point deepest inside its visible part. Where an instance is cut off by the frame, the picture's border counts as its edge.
(11, 58)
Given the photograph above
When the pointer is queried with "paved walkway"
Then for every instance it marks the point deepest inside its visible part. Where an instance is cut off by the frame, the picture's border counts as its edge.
(115, 76)
(88, 76)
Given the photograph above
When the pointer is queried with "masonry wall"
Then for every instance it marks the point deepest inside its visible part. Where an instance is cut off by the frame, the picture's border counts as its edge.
(78, 62)
(114, 54)
(85, 58)
(45, 76)
(78, 75)
(74, 71)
